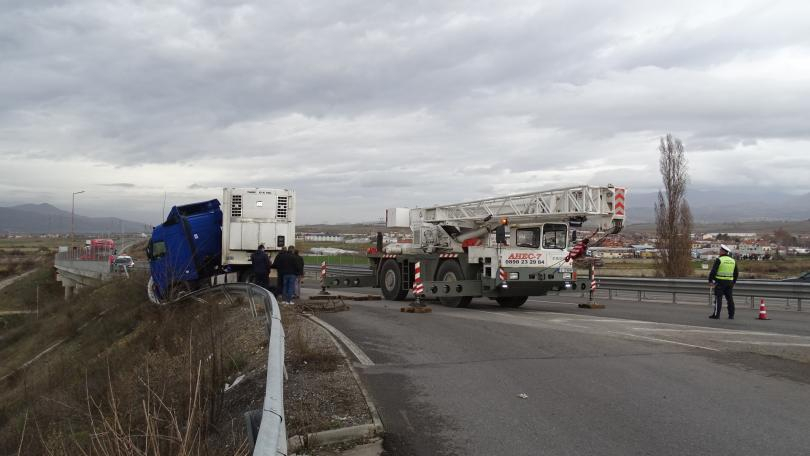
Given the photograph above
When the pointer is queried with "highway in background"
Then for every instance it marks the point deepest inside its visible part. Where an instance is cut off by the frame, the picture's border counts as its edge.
(634, 378)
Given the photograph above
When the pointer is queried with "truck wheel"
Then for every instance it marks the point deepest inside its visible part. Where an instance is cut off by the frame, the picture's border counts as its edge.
(512, 301)
(391, 282)
(151, 290)
(450, 271)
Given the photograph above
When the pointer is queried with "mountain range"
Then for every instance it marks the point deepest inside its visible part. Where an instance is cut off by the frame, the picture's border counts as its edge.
(47, 219)
(736, 205)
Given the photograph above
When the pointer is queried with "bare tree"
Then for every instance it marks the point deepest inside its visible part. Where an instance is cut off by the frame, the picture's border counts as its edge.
(783, 239)
(673, 219)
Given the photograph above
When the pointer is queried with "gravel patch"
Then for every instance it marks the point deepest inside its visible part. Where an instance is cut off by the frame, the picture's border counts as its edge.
(320, 393)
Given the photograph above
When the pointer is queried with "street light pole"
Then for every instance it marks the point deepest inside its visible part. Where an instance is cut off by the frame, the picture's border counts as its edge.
(72, 213)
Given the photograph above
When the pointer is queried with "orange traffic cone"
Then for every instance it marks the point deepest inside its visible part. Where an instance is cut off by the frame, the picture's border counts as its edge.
(763, 312)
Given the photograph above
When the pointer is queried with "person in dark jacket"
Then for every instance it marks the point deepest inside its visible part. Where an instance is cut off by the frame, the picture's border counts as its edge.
(723, 276)
(287, 269)
(299, 263)
(261, 268)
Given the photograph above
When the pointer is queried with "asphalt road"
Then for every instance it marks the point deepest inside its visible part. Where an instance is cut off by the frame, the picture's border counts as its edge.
(634, 378)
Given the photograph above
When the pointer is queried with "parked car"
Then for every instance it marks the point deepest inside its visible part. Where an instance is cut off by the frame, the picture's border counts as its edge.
(804, 277)
(123, 262)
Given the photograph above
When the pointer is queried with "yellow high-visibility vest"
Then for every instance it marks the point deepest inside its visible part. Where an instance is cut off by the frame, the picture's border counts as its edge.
(726, 269)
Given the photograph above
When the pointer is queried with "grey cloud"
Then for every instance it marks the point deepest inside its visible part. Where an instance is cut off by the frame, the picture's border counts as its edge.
(421, 102)
(120, 184)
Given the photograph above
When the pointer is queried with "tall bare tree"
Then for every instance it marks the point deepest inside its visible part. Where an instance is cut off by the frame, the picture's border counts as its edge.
(783, 239)
(673, 219)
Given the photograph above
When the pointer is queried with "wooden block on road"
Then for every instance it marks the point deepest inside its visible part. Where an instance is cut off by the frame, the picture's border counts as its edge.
(416, 309)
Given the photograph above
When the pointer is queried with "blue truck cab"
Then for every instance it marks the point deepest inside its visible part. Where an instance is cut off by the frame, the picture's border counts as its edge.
(185, 250)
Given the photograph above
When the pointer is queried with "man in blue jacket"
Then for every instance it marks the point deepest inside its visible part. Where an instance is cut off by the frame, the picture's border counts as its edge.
(287, 269)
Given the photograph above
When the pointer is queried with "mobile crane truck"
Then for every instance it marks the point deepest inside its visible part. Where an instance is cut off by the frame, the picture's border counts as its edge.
(464, 251)
(200, 243)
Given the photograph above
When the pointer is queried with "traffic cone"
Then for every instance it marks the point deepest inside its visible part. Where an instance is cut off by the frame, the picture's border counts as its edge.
(763, 312)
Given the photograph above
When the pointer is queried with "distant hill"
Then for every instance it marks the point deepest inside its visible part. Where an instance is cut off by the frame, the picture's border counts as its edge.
(726, 206)
(47, 219)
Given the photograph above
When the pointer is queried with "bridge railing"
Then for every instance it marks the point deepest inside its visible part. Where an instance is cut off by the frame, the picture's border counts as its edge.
(85, 254)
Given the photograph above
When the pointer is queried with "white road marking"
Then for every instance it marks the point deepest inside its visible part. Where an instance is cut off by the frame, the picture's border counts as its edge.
(751, 342)
(655, 339)
(721, 331)
(584, 318)
(354, 348)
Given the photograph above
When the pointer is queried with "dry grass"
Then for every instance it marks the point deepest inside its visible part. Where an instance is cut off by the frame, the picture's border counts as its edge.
(21, 255)
(136, 379)
(300, 347)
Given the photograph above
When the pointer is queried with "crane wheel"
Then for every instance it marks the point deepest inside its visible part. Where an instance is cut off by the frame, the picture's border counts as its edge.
(391, 281)
(512, 301)
(450, 271)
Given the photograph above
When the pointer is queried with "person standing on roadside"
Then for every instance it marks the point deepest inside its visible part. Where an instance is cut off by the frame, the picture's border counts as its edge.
(287, 269)
(261, 268)
(299, 263)
(722, 277)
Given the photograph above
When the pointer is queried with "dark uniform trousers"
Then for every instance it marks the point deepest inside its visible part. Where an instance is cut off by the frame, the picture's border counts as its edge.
(723, 288)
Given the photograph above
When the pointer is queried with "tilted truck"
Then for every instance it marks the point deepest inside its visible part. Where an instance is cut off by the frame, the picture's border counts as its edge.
(464, 250)
(207, 242)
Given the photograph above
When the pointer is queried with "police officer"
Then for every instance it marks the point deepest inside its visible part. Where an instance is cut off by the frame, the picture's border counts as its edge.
(723, 277)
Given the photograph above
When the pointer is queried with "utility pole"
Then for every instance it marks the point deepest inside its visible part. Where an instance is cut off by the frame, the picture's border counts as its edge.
(72, 213)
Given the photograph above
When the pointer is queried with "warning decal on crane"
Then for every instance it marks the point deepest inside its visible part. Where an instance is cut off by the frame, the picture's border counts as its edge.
(619, 206)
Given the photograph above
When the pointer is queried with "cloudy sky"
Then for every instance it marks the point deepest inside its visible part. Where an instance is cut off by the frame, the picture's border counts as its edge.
(362, 105)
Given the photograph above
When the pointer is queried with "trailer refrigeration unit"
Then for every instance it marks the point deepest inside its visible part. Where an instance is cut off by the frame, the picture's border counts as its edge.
(207, 242)
(504, 248)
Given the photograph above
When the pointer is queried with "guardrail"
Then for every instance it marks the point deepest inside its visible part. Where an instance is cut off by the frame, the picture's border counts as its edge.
(750, 289)
(271, 438)
(743, 288)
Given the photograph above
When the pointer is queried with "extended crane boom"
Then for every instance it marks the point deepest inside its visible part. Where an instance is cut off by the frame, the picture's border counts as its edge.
(605, 204)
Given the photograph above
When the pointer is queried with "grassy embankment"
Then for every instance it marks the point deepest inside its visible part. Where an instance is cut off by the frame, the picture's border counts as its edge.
(20, 255)
(127, 377)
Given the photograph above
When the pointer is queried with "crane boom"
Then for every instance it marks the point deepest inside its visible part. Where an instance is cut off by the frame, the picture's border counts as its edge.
(602, 205)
